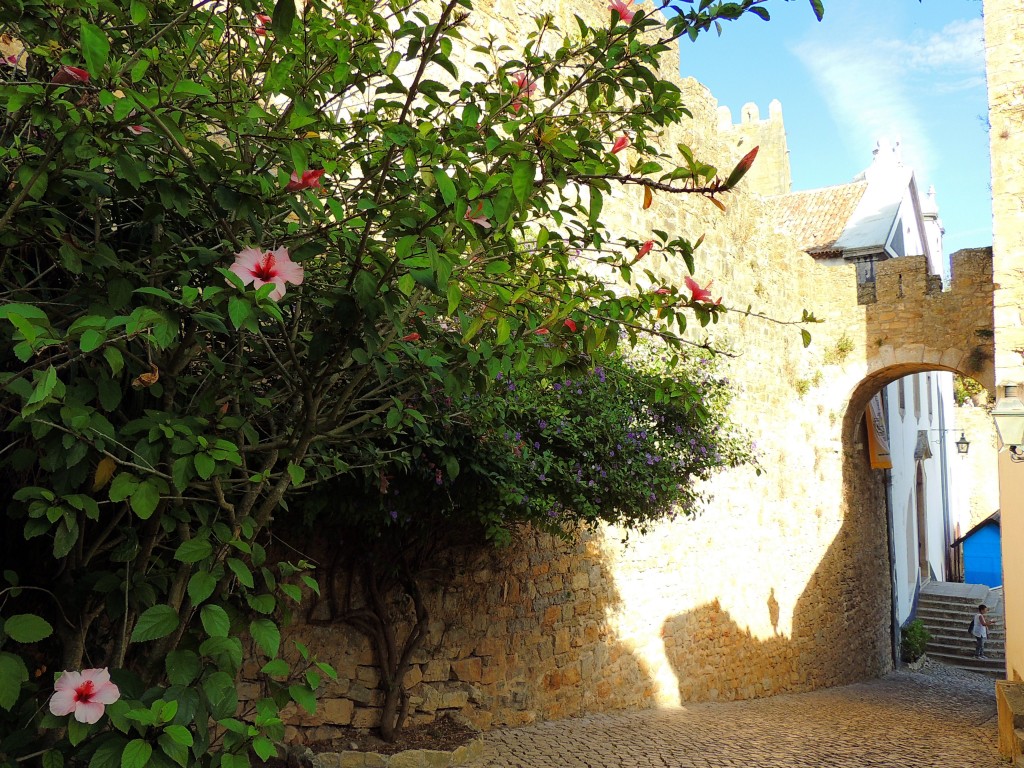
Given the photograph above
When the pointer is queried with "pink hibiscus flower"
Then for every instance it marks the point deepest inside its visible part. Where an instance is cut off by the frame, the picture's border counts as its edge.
(138, 130)
(308, 180)
(477, 216)
(570, 324)
(84, 694)
(622, 8)
(701, 294)
(70, 75)
(411, 337)
(526, 87)
(620, 144)
(644, 250)
(259, 26)
(261, 267)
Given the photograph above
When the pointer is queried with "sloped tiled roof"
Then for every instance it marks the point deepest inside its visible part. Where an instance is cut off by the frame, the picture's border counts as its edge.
(816, 218)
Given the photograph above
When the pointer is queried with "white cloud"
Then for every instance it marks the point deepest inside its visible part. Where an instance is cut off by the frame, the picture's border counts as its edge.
(869, 82)
(867, 93)
(960, 45)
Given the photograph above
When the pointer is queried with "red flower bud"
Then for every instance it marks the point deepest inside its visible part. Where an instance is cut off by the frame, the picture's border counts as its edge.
(70, 75)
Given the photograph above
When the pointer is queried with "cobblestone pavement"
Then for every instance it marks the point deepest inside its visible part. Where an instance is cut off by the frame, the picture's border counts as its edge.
(931, 719)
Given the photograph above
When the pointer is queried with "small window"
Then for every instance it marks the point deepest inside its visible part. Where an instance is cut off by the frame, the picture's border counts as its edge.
(917, 396)
(902, 397)
(929, 384)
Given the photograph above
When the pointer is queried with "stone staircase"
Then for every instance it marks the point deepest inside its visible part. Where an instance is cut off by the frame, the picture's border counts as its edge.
(946, 610)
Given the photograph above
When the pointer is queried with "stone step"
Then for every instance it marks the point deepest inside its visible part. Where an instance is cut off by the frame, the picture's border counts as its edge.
(956, 630)
(965, 643)
(993, 667)
(951, 600)
(926, 612)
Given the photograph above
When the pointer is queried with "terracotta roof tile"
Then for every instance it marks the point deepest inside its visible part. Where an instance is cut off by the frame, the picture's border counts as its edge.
(816, 218)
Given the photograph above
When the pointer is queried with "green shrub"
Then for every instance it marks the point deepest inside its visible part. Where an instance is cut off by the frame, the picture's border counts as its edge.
(915, 637)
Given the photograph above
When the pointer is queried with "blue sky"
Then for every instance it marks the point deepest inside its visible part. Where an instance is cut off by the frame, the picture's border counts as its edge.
(901, 69)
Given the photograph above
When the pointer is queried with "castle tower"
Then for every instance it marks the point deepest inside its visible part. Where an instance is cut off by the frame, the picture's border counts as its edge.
(770, 173)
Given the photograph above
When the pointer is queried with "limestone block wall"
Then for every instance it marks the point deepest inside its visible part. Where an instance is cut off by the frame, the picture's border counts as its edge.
(979, 480)
(1004, 57)
(780, 583)
(770, 174)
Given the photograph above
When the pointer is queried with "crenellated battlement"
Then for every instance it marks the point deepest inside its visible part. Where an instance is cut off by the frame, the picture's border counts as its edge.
(770, 174)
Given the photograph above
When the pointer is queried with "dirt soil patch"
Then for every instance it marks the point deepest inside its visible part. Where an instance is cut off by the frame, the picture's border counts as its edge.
(443, 734)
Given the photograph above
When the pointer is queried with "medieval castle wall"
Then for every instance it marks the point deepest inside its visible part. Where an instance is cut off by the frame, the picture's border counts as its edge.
(780, 584)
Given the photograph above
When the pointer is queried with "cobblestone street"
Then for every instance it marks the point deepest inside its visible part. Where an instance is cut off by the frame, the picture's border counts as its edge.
(938, 718)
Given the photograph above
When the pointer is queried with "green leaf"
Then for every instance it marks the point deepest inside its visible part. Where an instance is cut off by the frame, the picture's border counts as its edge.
(182, 667)
(304, 697)
(172, 749)
(239, 310)
(215, 620)
(108, 755)
(221, 693)
(523, 172)
(95, 48)
(454, 297)
(124, 485)
(201, 586)
(44, 386)
(27, 628)
(13, 673)
(806, 336)
(114, 359)
(264, 748)
(139, 12)
(241, 571)
(264, 603)
(292, 591)
(91, 340)
(181, 472)
(205, 465)
(193, 550)
(145, 499)
(296, 473)
(53, 759)
(180, 734)
(596, 204)
(277, 668)
(267, 636)
(231, 760)
(77, 732)
(284, 16)
(136, 754)
(154, 623)
(445, 186)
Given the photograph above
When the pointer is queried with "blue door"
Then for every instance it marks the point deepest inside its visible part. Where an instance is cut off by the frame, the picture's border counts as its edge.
(983, 560)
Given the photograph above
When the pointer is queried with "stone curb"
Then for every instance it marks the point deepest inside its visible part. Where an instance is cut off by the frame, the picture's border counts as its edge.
(410, 758)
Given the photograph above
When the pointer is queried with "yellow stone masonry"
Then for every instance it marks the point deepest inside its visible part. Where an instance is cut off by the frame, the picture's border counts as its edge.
(781, 583)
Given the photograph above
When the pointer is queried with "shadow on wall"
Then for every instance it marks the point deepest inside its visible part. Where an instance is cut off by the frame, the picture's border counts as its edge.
(841, 626)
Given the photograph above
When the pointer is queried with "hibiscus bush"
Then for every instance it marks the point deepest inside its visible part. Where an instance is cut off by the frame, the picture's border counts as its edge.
(241, 250)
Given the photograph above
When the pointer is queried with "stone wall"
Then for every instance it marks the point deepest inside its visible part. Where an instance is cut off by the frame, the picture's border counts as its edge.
(770, 174)
(780, 584)
(1004, 57)
(979, 480)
